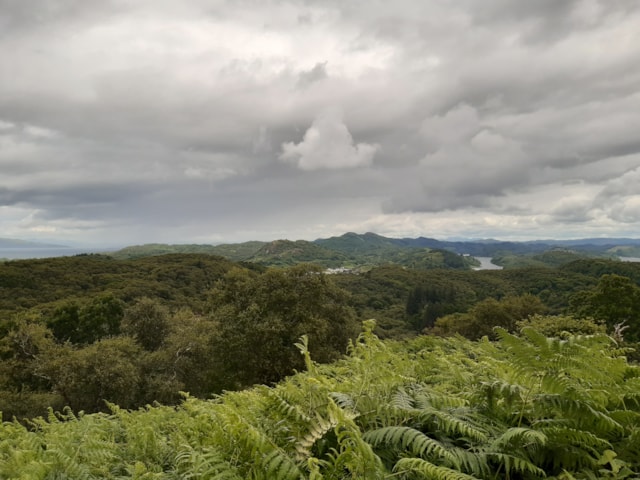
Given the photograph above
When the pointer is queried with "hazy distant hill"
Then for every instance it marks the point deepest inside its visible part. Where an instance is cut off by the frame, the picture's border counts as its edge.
(234, 251)
(238, 252)
(153, 249)
(353, 243)
(17, 243)
(370, 249)
(287, 252)
(487, 248)
(625, 250)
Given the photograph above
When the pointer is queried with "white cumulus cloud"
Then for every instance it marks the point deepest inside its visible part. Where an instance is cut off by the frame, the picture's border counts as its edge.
(328, 144)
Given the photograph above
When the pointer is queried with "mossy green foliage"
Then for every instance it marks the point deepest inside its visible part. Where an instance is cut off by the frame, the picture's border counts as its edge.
(524, 407)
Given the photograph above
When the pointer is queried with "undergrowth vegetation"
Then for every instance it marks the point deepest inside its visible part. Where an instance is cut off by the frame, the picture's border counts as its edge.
(523, 407)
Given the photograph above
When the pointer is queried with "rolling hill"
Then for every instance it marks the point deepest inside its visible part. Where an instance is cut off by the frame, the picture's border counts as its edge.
(355, 250)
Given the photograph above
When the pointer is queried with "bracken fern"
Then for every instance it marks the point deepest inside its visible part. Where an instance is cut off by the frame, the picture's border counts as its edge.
(524, 407)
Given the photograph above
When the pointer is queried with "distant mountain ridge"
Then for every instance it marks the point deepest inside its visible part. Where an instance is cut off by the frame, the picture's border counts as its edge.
(357, 243)
(488, 247)
(368, 249)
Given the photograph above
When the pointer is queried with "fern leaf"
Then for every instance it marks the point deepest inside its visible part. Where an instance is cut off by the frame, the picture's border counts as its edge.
(453, 426)
(519, 436)
(402, 400)
(204, 464)
(317, 430)
(405, 467)
(583, 414)
(286, 407)
(281, 467)
(471, 462)
(513, 464)
(570, 447)
(626, 418)
(65, 465)
(344, 401)
(403, 438)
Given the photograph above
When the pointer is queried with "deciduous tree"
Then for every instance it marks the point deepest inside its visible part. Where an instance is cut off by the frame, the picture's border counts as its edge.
(261, 317)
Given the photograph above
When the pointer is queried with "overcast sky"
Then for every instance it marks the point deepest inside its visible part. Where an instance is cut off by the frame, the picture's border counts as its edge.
(183, 121)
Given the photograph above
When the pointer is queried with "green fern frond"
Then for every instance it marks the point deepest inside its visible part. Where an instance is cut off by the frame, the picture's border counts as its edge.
(286, 407)
(471, 462)
(65, 464)
(206, 463)
(344, 401)
(561, 363)
(407, 438)
(500, 392)
(629, 449)
(409, 467)
(317, 430)
(280, 466)
(583, 414)
(353, 454)
(513, 464)
(402, 400)
(519, 437)
(572, 445)
(626, 418)
(452, 425)
(429, 397)
(258, 445)
(303, 347)
(631, 399)
(140, 471)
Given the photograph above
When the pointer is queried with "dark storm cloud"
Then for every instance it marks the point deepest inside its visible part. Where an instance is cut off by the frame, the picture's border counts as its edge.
(225, 120)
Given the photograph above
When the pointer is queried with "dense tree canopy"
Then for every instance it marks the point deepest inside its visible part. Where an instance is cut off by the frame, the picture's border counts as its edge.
(615, 300)
(203, 324)
(260, 317)
(482, 318)
(81, 352)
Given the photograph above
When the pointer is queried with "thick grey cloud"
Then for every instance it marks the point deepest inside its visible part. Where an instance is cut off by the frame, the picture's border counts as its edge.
(123, 122)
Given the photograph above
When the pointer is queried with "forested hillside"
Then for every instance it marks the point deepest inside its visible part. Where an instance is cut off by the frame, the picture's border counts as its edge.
(134, 332)
(367, 250)
(353, 253)
(203, 324)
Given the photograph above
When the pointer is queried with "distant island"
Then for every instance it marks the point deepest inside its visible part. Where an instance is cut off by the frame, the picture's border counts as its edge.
(17, 249)
(18, 243)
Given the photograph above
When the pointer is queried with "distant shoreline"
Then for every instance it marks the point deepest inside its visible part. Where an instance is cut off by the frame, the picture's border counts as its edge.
(24, 253)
